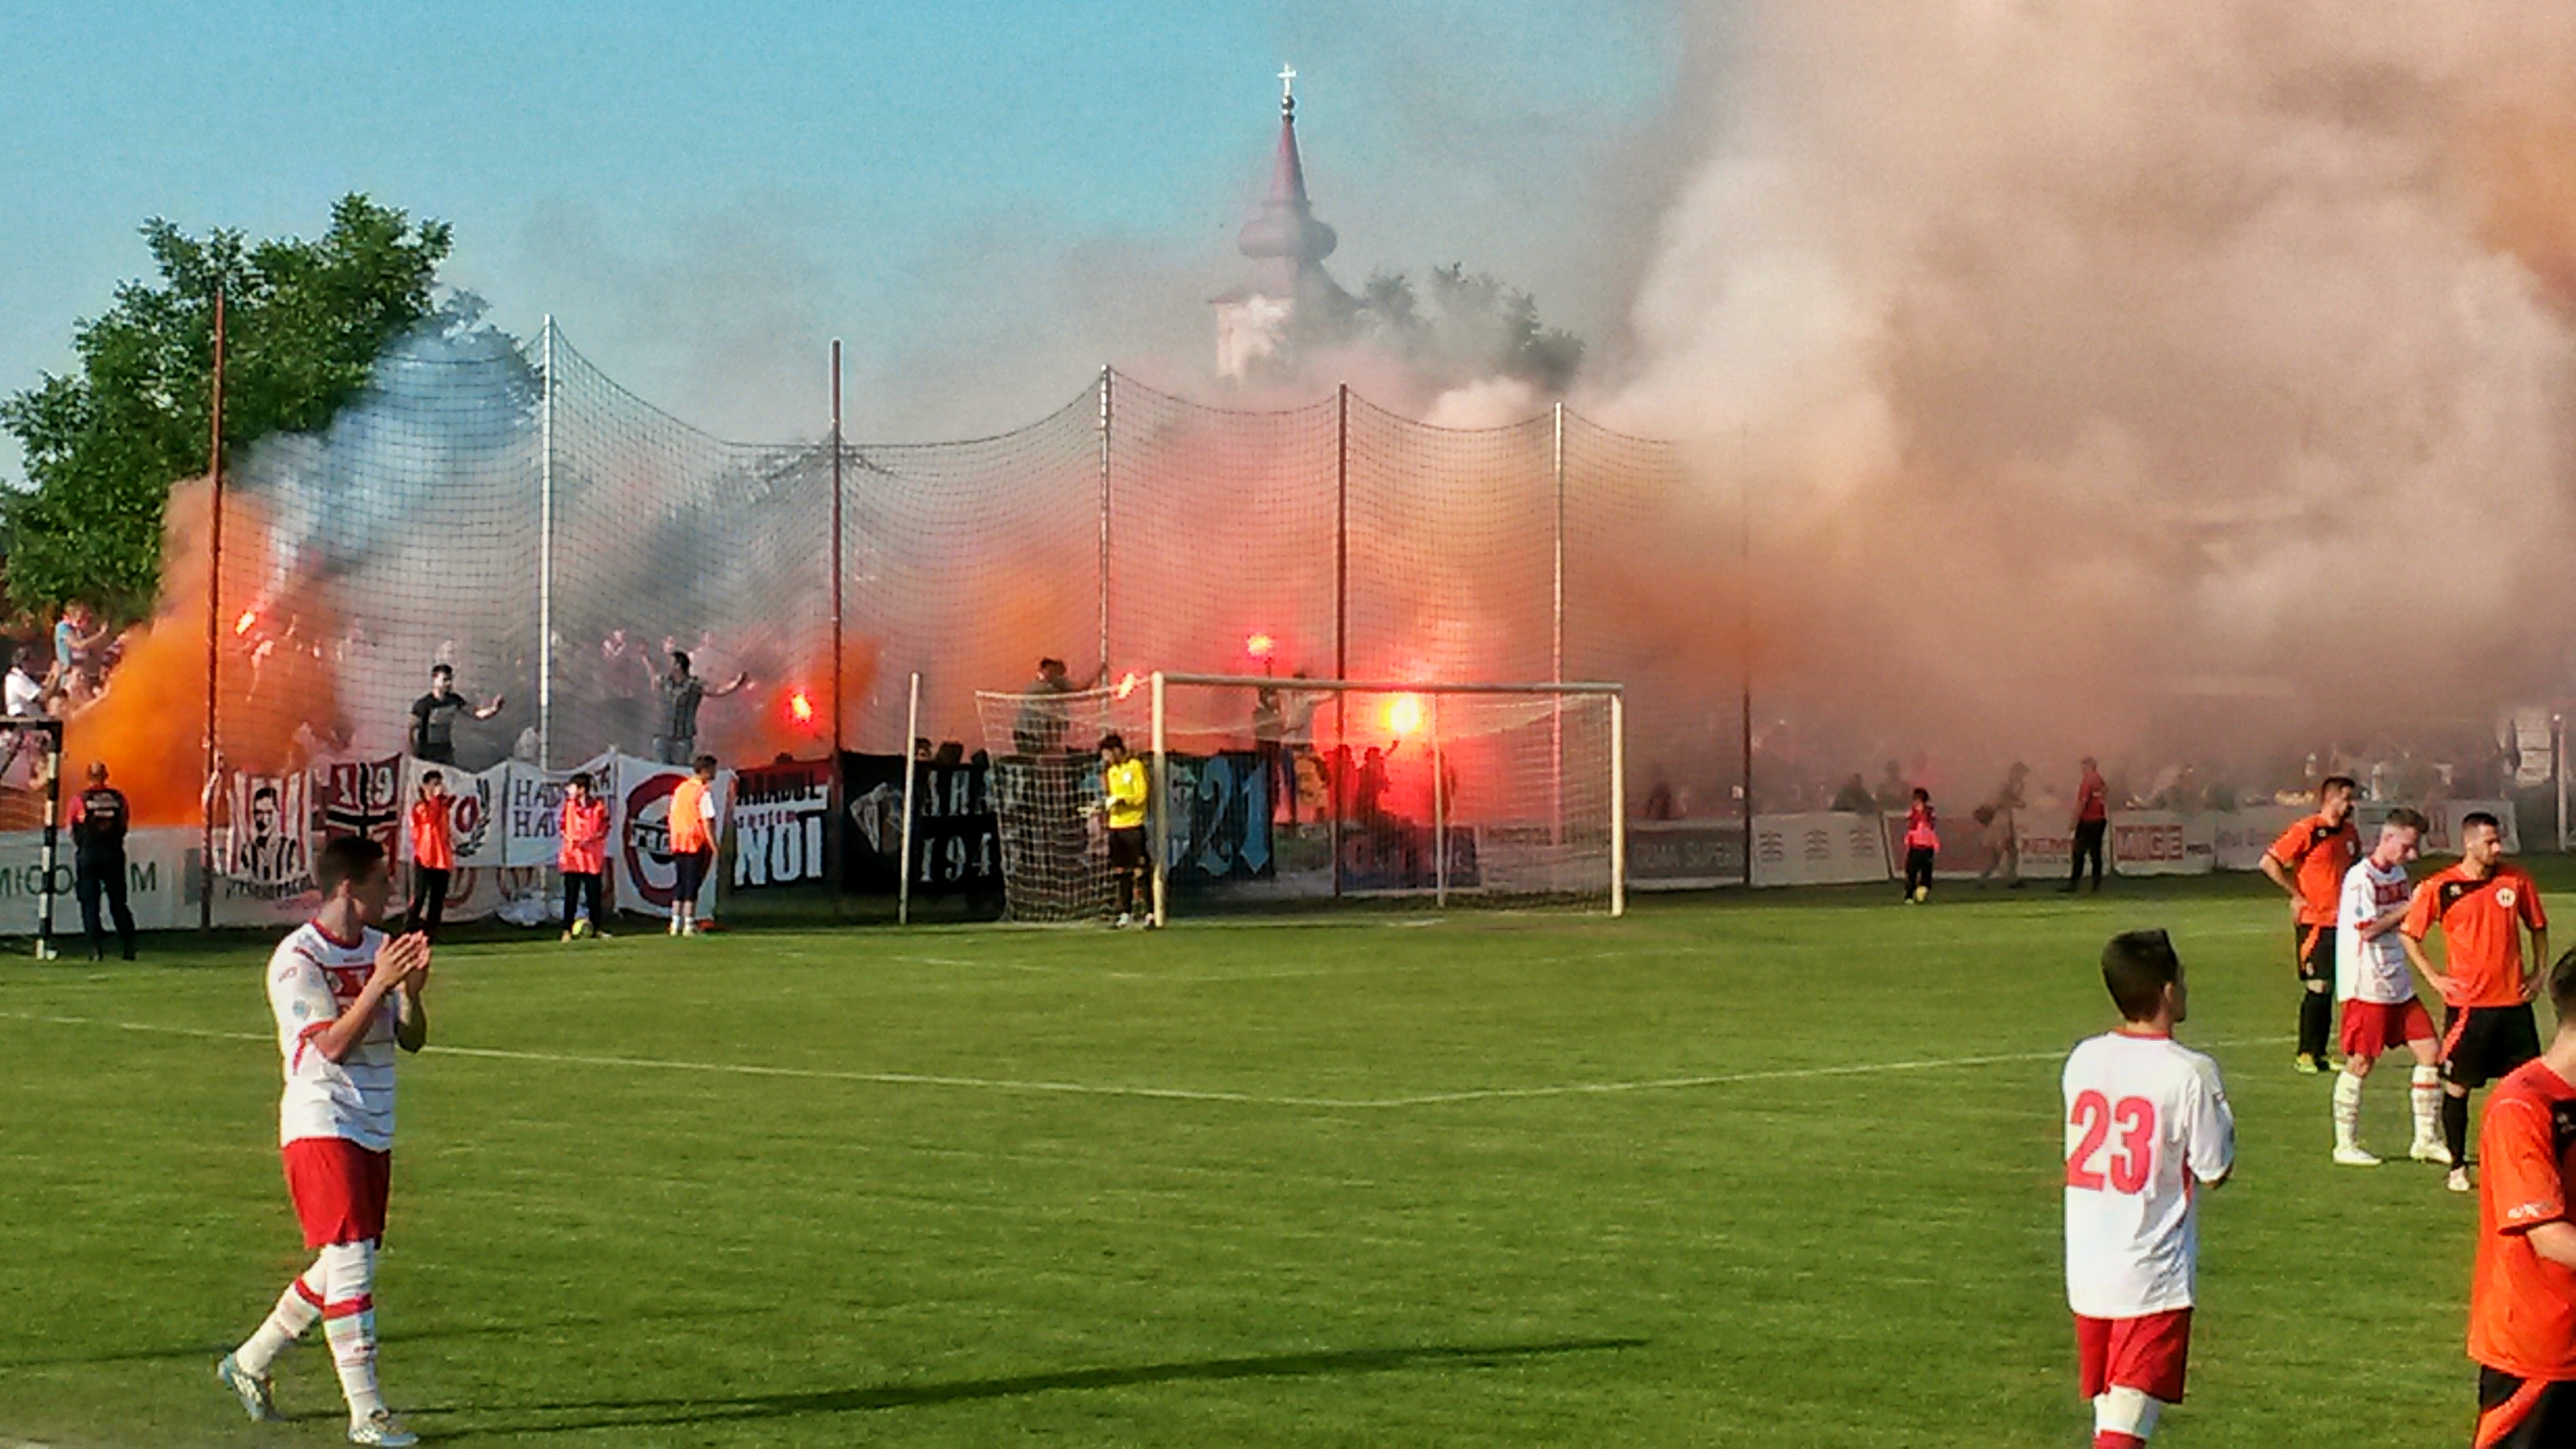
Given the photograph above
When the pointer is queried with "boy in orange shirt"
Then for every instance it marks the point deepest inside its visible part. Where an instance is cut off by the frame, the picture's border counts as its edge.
(433, 855)
(582, 855)
(693, 842)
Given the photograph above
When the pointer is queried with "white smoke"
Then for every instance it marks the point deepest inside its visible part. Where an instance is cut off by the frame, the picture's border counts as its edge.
(2084, 353)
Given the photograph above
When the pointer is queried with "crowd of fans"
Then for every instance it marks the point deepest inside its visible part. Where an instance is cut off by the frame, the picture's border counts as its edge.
(59, 682)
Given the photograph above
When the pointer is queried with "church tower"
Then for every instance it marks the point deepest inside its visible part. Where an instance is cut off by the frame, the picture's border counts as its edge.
(1288, 300)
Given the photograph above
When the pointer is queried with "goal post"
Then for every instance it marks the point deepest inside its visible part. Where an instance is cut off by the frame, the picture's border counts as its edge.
(1271, 789)
(1516, 792)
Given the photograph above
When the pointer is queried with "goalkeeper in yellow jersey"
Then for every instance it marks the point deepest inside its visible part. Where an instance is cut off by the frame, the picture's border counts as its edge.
(1124, 790)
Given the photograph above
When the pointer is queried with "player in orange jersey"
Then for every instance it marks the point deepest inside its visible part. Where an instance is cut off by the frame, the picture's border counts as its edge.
(2522, 1301)
(2483, 906)
(2309, 862)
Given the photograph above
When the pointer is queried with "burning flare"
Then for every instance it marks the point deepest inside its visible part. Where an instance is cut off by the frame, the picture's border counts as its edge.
(1403, 715)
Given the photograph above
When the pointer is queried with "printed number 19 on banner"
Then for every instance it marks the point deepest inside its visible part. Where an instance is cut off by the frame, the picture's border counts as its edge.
(2131, 1162)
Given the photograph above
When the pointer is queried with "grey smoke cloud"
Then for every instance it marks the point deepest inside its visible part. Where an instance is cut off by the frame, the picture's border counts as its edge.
(2098, 364)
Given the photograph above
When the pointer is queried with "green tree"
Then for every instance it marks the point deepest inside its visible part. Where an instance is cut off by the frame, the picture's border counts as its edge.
(303, 324)
(1467, 325)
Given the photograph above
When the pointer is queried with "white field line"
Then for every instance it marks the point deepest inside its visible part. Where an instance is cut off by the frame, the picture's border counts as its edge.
(1170, 1094)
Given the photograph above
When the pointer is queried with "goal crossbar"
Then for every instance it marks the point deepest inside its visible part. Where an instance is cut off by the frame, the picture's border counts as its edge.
(1362, 686)
(1160, 682)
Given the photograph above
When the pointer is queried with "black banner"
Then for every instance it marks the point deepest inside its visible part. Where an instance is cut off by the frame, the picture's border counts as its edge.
(956, 838)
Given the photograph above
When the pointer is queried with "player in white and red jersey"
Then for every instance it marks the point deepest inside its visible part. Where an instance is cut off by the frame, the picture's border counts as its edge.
(2147, 1126)
(345, 997)
(2380, 1011)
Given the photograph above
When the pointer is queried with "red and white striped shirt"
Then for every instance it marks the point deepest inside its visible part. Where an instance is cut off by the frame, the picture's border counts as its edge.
(311, 980)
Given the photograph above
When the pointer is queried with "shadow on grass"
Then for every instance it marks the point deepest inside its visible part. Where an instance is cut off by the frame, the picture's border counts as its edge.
(647, 1413)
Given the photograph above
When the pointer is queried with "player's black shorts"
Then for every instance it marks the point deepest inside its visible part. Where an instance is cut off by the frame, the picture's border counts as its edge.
(1127, 848)
(691, 866)
(2316, 952)
(2523, 1413)
(2482, 1043)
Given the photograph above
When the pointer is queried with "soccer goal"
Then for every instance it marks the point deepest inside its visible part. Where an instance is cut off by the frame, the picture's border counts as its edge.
(37, 876)
(1281, 789)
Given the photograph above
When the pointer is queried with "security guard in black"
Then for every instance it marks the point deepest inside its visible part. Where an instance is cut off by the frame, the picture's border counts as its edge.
(99, 820)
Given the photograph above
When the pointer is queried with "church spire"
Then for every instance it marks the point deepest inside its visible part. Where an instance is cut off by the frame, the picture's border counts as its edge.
(1286, 227)
(1288, 300)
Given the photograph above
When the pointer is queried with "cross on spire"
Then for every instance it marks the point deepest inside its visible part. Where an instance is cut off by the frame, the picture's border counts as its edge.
(1287, 89)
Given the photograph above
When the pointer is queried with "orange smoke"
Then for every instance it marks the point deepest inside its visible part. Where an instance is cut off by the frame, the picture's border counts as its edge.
(2522, 160)
(149, 728)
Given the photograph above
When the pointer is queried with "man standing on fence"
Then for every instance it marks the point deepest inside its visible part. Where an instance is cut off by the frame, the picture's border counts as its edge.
(2092, 824)
(681, 693)
(99, 818)
(433, 716)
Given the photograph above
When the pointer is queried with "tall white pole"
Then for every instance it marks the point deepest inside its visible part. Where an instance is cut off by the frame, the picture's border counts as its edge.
(1105, 376)
(1439, 812)
(1619, 806)
(1556, 652)
(1161, 845)
(546, 548)
(2558, 758)
(911, 777)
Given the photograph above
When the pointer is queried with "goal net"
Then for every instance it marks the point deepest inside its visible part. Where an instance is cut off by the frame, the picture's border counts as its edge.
(36, 862)
(1286, 789)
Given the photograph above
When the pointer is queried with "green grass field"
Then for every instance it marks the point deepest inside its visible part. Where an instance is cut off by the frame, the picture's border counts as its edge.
(1779, 1171)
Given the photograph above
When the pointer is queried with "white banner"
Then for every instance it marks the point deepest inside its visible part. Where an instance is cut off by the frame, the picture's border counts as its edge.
(1819, 848)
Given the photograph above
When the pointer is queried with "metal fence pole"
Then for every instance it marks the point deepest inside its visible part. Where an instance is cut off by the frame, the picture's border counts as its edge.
(1106, 379)
(214, 630)
(1337, 763)
(1556, 651)
(546, 547)
(834, 864)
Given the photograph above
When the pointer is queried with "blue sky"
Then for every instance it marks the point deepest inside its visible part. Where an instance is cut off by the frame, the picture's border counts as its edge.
(982, 198)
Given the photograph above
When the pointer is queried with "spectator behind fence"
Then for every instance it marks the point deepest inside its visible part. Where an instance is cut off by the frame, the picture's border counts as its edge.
(24, 694)
(433, 716)
(77, 636)
(1854, 797)
(681, 692)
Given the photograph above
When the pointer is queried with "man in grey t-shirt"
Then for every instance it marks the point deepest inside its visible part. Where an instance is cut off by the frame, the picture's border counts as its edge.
(680, 692)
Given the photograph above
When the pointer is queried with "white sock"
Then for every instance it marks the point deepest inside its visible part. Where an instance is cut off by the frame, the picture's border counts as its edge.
(2125, 1411)
(2347, 1109)
(296, 1311)
(349, 1323)
(2426, 1095)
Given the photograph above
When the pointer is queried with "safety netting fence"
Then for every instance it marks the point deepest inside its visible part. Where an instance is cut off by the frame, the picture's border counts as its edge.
(509, 511)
